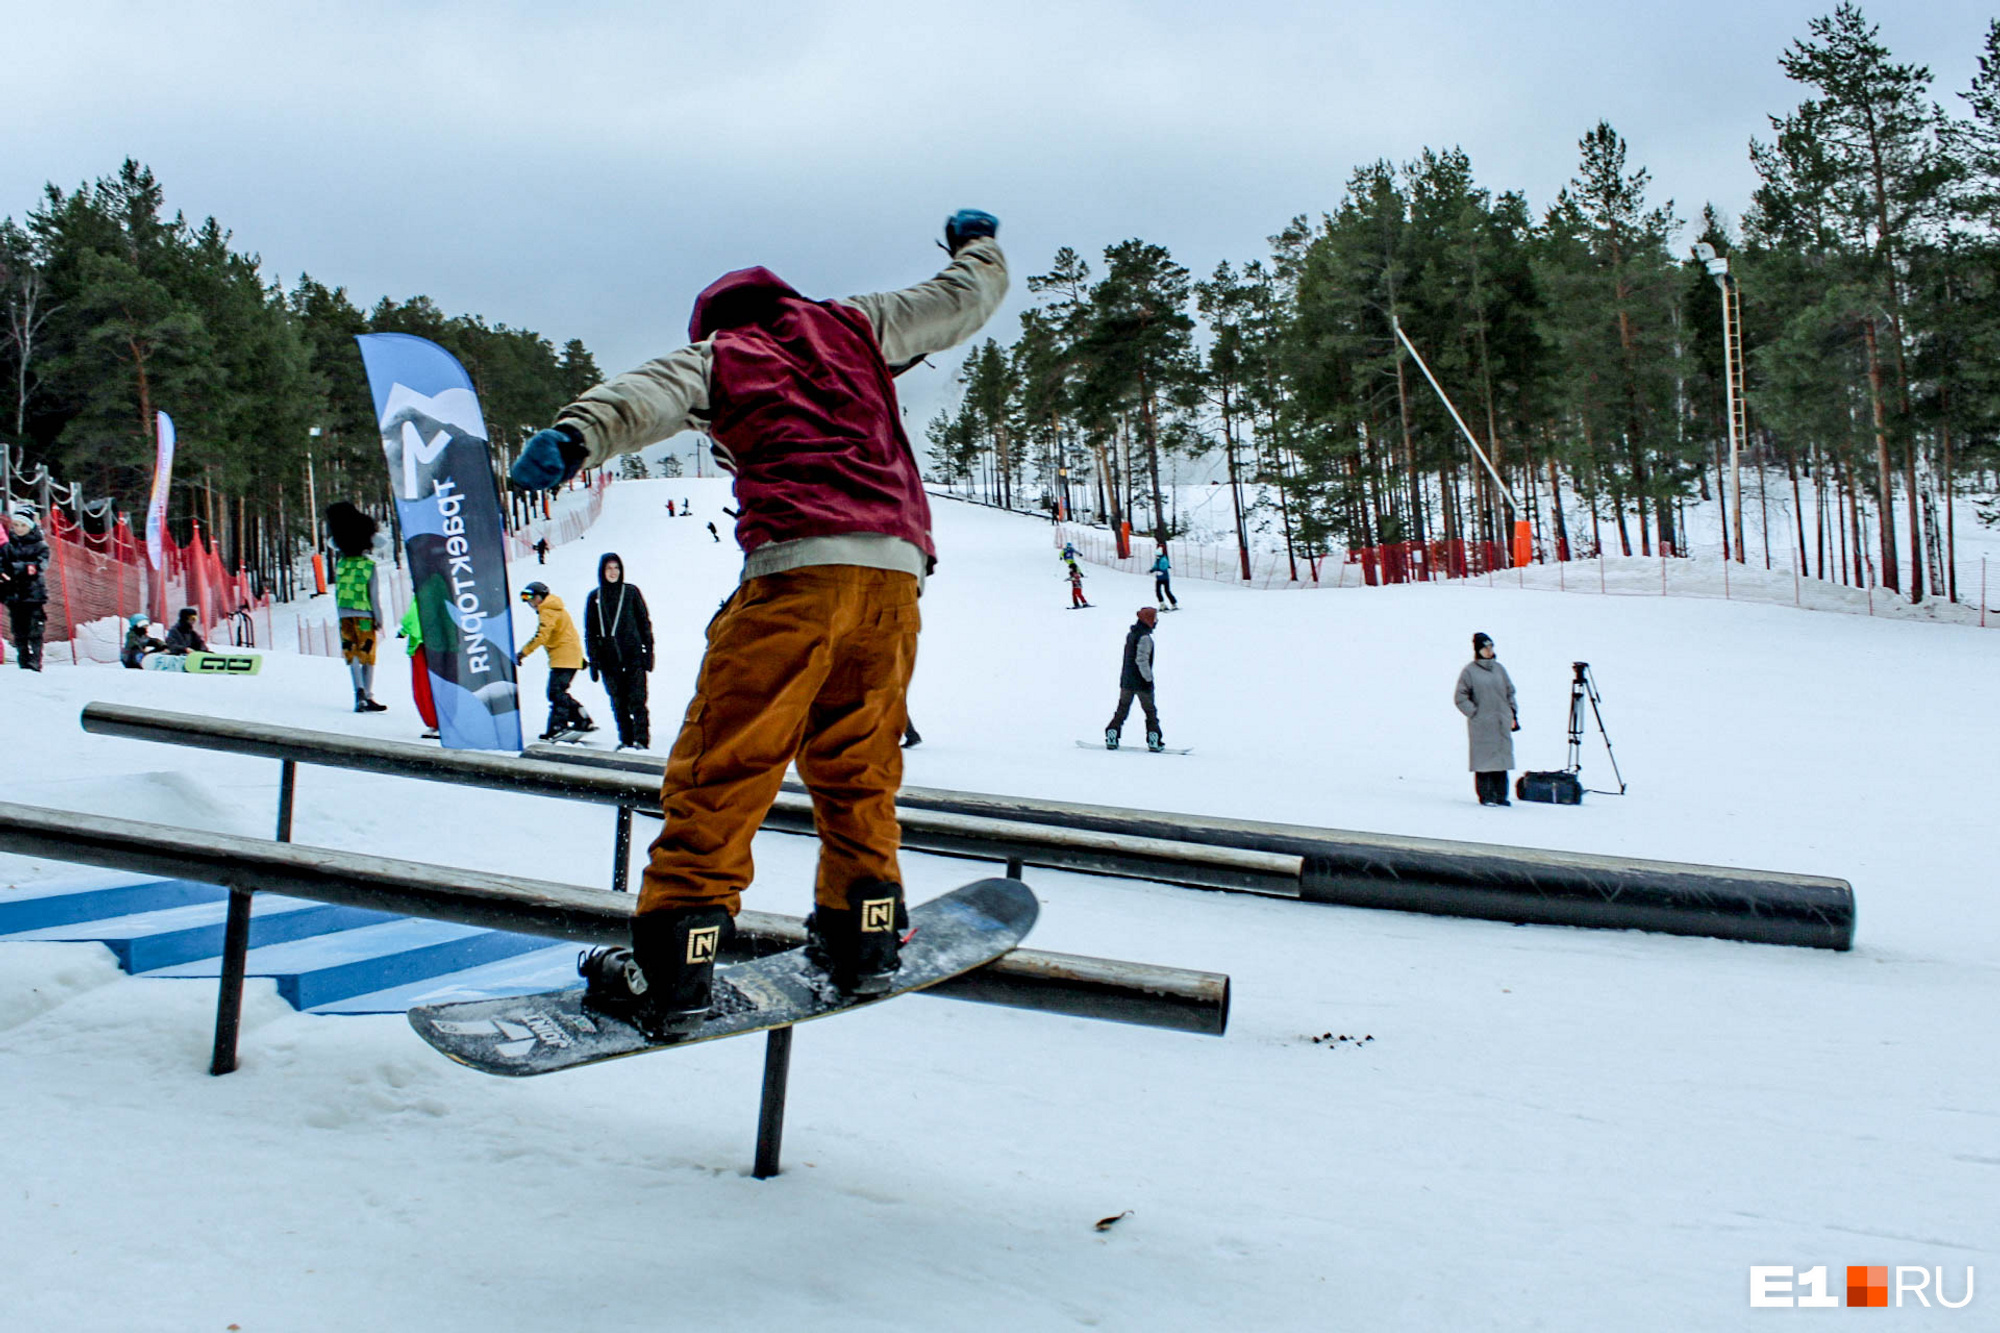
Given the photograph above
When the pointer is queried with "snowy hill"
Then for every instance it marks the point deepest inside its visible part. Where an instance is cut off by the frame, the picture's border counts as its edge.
(1551, 1128)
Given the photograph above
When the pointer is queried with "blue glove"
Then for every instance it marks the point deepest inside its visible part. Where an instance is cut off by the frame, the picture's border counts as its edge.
(968, 224)
(549, 458)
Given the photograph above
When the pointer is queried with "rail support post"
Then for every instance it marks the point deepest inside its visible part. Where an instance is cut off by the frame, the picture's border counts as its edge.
(621, 850)
(236, 941)
(771, 1114)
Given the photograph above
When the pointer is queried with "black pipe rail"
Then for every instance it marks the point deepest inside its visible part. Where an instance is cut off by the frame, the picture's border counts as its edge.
(1160, 857)
(1176, 999)
(1435, 876)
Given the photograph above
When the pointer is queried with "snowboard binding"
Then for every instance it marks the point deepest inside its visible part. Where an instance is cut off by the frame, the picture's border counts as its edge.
(1111, 738)
(1155, 742)
(860, 946)
(664, 984)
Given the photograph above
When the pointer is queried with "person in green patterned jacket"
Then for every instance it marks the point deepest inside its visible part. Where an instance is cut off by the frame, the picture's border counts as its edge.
(356, 598)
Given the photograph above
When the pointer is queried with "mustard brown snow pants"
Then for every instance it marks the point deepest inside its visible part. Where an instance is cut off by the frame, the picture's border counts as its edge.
(811, 665)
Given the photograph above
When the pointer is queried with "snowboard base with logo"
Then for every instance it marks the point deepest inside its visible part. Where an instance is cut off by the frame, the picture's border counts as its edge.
(206, 664)
(552, 1030)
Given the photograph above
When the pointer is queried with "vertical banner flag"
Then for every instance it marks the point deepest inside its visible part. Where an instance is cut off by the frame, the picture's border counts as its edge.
(156, 508)
(439, 469)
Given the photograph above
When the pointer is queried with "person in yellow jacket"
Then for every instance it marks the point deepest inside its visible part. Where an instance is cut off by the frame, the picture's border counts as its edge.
(555, 633)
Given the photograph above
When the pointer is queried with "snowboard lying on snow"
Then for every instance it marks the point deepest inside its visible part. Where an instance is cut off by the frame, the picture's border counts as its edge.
(543, 1033)
(206, 664)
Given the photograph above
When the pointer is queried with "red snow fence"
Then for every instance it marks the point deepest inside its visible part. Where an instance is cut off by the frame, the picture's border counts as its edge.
(97, 580)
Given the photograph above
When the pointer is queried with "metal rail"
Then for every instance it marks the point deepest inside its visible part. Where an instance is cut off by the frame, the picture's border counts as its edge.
(1436, 876)
(1162, 997)
(1159, 856)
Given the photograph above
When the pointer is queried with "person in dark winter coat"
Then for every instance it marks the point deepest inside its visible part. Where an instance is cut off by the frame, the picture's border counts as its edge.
(185, 636)
(618, 639)
(23, 561)
(1485, 694)
(139, 641)
(1135, 681)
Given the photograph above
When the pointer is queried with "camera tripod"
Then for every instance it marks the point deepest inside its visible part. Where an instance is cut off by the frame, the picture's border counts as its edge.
(1584, 687)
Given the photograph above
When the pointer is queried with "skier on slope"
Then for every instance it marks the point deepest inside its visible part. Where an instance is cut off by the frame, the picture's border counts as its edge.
(1075, 577)
(1485, 694)
(555, 634)
(1163, 582)
(1135, 681)
(810, 659)
(618, 637)
(356, 598)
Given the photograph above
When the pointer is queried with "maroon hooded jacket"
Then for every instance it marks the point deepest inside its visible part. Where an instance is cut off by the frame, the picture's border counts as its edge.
(804, 404)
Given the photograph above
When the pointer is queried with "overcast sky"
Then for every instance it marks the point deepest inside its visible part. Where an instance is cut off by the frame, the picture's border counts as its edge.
(583, 170)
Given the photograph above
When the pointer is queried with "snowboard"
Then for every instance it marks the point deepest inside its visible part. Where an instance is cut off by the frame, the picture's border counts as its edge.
(553, 1031)
(206, 664)
(1132, 747)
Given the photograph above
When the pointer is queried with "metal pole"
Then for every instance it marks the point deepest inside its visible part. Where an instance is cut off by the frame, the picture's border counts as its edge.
(621, 850)
(1465, 430)
(236, 942)
(771, 1112)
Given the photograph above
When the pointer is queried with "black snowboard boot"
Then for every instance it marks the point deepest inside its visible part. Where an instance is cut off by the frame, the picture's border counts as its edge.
(1155, 742)
(661, 984)
(1111, 738)
(860, 945)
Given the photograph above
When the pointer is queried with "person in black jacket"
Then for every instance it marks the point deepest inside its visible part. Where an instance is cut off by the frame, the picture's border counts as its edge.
(184, 636)
(1135, 680)
(23, 561)
(618, 639)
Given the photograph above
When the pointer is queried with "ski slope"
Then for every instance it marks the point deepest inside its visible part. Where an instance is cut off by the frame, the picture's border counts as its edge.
(1551, 1128)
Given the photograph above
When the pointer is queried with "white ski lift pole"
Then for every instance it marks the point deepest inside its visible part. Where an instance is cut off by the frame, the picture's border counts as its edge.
(1424, 366)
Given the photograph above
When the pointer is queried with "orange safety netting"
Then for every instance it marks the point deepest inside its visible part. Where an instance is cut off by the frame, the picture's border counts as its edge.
(97, 580)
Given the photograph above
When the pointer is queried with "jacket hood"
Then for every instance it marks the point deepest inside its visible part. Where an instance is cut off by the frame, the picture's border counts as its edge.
(606, 559)
(735, 299)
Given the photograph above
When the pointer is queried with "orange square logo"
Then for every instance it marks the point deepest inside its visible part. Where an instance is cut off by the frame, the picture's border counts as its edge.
(1868, 1284)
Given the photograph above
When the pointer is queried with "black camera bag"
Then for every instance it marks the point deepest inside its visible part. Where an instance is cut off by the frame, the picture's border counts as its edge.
(1558, 787)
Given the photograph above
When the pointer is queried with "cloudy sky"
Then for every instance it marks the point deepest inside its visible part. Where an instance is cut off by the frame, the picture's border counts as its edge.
(583, 169)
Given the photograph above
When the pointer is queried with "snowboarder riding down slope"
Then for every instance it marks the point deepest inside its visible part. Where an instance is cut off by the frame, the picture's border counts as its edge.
(1135, 681)
(810, 660)
(1163, 582)
(1075, 577)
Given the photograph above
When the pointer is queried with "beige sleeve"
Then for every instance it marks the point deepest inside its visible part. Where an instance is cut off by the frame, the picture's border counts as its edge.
(942, 312)
(655, 402)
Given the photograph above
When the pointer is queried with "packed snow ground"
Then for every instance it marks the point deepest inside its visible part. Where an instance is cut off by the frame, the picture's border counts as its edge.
(1551, 1128)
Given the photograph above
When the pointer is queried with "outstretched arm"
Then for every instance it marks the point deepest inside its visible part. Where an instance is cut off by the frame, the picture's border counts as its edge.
(641, 407)
(942, 312)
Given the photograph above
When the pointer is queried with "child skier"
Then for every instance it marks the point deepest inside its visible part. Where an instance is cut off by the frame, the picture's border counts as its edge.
(1075, 587)
(356, 599)
(1135, 681)
(618, 637)
(1485, 694)
(1163, 582)
(810, 660)
(555, 633)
